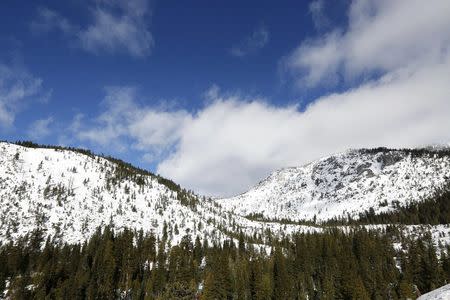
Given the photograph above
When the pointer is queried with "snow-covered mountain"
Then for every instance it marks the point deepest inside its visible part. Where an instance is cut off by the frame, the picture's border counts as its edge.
(69, 194)
(346, 184)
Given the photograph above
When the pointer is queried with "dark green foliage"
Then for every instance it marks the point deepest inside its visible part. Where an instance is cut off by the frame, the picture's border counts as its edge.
(332, 265)
(434, 210)
(416, 152)
(281, 285)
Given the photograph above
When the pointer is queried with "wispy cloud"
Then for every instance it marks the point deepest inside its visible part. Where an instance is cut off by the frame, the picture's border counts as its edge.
(116, 32)
(116, 27)
(40, 128)
(150, 129)
(17, 87)
(48, 20)
(252, 43)
(320, 20)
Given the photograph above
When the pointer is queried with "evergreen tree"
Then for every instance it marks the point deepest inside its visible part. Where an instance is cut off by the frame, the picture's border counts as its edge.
(280, 276)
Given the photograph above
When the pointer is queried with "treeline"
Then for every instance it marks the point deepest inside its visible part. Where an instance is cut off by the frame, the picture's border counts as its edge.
(414, 152)
(132, 265)
(433, 211)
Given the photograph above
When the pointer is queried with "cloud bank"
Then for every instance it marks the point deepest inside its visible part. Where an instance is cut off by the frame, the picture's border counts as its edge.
(233, 141)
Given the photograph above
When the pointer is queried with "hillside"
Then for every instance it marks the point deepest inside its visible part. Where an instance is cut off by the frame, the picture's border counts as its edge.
(67, 194)
(160, 241)
(346, 185)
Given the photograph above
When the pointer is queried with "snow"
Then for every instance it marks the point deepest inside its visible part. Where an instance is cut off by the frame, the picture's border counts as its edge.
(27, 201)
(442, 293)
(342, 185)
(31, 182)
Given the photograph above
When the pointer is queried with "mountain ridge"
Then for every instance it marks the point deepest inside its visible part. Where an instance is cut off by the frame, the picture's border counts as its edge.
(347, 183)
(69, 193)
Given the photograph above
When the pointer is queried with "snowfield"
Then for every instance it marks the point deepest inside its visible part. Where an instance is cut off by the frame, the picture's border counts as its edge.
(68, 195)
(345, 184)
(442, 293)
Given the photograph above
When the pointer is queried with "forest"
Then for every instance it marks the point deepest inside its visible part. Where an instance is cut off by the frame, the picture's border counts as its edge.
(359, 264)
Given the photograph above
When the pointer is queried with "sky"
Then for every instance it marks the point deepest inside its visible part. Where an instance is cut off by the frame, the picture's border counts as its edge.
(216, 95)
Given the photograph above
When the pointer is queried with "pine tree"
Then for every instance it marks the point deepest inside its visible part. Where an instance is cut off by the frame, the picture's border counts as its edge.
(218, 283)
(105, 271)
(179, 291)
(160, 274)
(280, 276)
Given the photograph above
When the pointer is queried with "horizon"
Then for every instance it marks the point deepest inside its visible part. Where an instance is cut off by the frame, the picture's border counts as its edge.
(217, 96)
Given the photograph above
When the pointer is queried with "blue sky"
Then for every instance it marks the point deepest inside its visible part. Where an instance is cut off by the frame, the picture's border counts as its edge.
(217, 94)
(191, 50)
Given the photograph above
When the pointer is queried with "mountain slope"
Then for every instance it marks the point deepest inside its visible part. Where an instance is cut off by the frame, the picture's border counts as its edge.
(68, 194)
(346, 184)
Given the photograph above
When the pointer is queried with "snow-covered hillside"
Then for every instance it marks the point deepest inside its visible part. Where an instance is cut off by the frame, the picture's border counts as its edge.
(346, 184)
(442, 293)
(68, 195)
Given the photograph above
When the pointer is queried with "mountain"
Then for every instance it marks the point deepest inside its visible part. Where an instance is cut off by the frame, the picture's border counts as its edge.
(67, 194)
(74, 225)
(346, 185)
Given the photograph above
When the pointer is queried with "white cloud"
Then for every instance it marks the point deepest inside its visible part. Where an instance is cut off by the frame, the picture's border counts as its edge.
(382, 36)
(16, 86)
(252, 43)
(149, 128)
(117, 26)
(232, 142)
(40, 128)
(111, 32)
